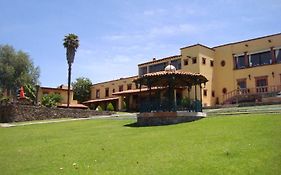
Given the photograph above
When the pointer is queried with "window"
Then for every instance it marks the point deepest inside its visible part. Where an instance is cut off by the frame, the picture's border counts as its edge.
(194, 60)
(241, 84)
(185, 62)
(240, 62)
(106, 92)
(262, 58)
(224, 90)
(203, 60)
(97, 93)
(213, 93)
(205, 92)
(278, 55)
(113, 90)
(142, 70)
(120, 88)
(157, 67)
(261, 84)
(176, 63)
(129, 86)
(211, 63)
(222, 63)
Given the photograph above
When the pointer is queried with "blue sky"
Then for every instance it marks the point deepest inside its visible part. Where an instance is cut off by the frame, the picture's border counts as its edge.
(116, 35)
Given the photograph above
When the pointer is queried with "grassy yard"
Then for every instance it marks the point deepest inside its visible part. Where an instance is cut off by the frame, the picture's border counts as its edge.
(242, 144)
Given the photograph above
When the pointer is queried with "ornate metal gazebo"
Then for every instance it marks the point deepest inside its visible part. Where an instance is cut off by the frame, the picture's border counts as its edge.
(170, 80)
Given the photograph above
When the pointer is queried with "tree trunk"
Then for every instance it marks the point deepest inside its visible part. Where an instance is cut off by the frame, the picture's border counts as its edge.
(68, 88)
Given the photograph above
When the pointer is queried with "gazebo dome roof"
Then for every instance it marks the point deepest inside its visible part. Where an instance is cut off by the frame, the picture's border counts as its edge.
(170, 68)
(164, 78)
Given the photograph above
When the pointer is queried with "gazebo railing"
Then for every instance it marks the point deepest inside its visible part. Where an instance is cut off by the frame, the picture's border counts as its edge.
(165, 106)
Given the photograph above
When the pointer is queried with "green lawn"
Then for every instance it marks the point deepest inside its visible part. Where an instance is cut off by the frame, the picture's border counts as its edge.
(242, 144)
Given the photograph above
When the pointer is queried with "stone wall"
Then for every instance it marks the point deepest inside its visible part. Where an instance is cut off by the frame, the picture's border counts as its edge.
(18, 113)
(167, 118)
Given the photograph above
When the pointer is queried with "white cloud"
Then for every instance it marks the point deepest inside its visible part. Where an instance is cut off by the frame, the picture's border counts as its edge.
(170, 30)
(154, 12)
(121, 59)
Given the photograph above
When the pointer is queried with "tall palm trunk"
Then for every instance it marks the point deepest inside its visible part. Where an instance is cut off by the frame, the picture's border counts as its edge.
(68, 87)
(71, 43)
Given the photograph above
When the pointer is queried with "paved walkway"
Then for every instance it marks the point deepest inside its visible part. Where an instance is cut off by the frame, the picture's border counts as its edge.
(112, 117)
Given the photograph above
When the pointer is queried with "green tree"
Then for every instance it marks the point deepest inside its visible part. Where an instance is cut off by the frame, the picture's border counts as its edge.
(82, 89)
(71, 43)
(16, 69)
(30, 92)
(110, 107)
(51, 100)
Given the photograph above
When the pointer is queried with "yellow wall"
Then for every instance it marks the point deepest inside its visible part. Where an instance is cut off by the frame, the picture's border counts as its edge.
(208, 71)
(226, 77)
(62, 92)
(114, 84)
(219, 76)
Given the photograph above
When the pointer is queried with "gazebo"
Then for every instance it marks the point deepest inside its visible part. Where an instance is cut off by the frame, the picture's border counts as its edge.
(165, 107)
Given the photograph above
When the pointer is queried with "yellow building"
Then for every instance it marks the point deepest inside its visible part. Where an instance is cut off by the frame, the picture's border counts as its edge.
(62, 91)
(102, 93)
(242, 71)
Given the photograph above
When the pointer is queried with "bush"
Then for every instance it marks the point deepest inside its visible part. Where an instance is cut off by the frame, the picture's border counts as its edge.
(110, 107)
(185, 102)
(124, 105)
(51, 100)
(99, 108)
(30, 92)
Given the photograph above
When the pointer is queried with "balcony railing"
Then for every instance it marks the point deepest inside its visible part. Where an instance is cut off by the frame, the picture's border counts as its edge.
(164, 106)
(261, 90)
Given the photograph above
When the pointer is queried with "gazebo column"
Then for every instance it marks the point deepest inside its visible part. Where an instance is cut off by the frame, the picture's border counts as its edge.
(188, 96)
(196, 99)
(150, 97)
(175, 99)
(171, 95)
(195, 91)
(200, 97)
(139, 100)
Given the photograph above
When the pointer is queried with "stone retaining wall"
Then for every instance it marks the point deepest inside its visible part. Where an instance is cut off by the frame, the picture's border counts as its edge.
(18, 113)
(167, 118)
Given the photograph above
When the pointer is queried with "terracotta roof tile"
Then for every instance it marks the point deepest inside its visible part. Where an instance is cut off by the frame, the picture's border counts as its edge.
(101, 99)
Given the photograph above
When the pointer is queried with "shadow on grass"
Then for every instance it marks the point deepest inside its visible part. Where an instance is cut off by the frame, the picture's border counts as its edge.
(136, 124)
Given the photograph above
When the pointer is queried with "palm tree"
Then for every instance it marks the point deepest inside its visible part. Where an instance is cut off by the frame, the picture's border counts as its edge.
(71, 43)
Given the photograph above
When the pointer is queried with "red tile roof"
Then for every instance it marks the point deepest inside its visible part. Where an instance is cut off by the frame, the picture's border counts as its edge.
(81, 106)
(135, 91)
(101, 99)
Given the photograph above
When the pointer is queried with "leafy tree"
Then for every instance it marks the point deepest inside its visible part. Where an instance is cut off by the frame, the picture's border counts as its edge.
(71, 43)
(110, 107)
(51, 100)
(30, 92)
(82, 89)
(16, 69)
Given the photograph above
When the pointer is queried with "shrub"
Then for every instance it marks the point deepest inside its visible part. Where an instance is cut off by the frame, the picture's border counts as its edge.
(51, 100)
(110, 107)
(99, 108)
(30, 92)
(124, 105)
(185, 102)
